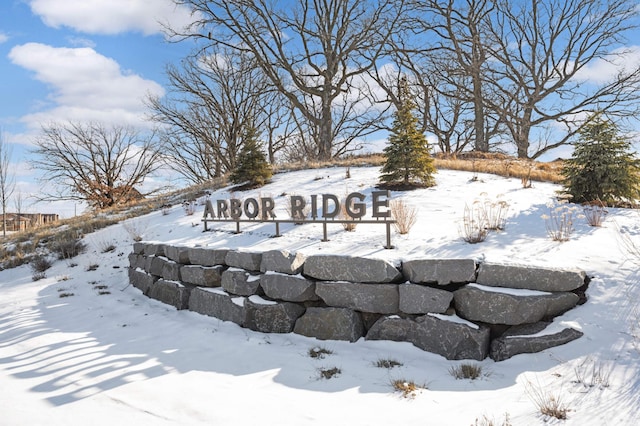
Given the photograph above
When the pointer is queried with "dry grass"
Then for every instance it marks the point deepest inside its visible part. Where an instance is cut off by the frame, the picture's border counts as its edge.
(595, 213)
(387, 363)
(329, 373)
(466, 371)
(547, 403)
(319, 352)
(486, 421)
(407, 388)
(503, 165)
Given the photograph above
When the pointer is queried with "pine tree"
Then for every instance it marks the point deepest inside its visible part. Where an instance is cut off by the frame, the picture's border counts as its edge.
(602, 166)
(252, 167)
(408, 161)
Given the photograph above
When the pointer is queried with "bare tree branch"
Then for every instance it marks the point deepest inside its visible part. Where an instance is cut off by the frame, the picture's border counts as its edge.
(93, 163)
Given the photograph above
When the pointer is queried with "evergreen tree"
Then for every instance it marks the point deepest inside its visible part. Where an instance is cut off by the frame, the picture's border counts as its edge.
(602, 166)
(408, 161)
(252, 167)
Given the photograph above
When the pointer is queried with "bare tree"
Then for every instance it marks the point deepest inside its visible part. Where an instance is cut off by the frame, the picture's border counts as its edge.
(213, 99)
(314, 52)
(444, 56)
(7, 182)
(538, 51)
(459, 55)
(94, 163)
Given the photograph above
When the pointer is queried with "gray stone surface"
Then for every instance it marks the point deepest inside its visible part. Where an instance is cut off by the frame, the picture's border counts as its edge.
(154, 265)
(170, 292)
(204, 276)
(374, 298)
(440, 271)
(151, 249)
(271, 317)
(243, 260)
(542, 279)
(354, 269)
(141, 280)
(450, 339)
(136, 261)
(518, 340)
(476, 304)
(138, 247)
(290, 288)
(207, 257)
(218, 304)
(420, 299)
(171, 270)
(240, 282)
(282, 261)
(177, 254)
(330, 324)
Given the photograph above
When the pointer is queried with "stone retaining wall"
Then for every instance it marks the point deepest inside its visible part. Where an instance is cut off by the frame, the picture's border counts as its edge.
(451, 307)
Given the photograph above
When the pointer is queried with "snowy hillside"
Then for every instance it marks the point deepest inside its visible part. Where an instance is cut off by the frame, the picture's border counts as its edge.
(82, 346)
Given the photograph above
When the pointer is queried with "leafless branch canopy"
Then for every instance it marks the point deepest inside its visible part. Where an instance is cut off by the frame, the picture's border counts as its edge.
(94, 163)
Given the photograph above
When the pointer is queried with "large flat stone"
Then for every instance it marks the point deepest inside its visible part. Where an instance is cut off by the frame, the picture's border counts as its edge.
(204, 276)
(534, 278)
(178, 254)
(141, 280)
(290, 288)
(420, 299)
(374, 298)
(330, 324)
(510, 306)
(440, 271)
(154, 265)
(171, 270)
(271, 317)
(530, 338)
(243, 260)
(452, 338)
(282, 261)
(219, 304)
(354, 269)
(240, 282)
(207, 257)
(170, 292)
(151, 249)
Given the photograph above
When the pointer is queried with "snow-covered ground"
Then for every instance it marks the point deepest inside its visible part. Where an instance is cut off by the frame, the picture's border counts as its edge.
(105, 354)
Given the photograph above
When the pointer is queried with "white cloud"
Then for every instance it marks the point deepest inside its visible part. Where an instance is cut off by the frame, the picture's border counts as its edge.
(84, 85)
(601, 71)
(111, 16)
(3, 38)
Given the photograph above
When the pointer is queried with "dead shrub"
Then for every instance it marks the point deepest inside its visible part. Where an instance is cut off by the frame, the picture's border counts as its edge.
(344, 214)
(407, 388)
(329, 373)
(319, 352)
(387, 363)
(404, 215)
(486, 421)
(594, 213)
(466, 371)
(67, 245)
(474, 229)
(547, 403)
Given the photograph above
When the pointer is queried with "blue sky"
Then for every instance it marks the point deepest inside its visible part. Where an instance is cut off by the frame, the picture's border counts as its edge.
(97, 60)
(78, 60)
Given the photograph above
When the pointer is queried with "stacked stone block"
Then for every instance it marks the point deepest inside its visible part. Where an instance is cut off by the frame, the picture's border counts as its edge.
(451, 307)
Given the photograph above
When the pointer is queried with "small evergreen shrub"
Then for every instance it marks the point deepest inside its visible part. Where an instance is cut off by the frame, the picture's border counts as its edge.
(409, 163)
(252, 169)
(603, 166)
